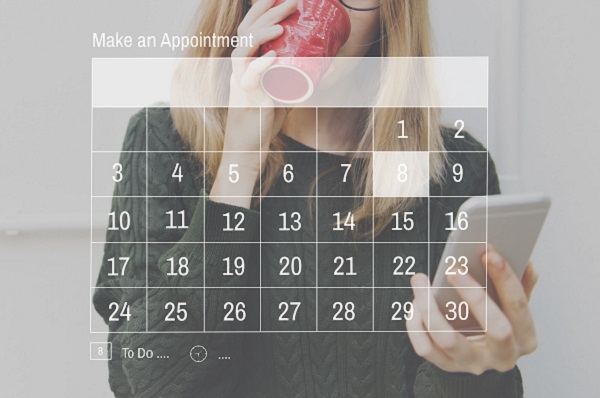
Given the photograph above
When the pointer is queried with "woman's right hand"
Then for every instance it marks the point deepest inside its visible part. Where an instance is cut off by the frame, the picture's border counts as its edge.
(244, 131)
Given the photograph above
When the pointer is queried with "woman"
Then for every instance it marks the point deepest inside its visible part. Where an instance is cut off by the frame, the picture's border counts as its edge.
(418, 363)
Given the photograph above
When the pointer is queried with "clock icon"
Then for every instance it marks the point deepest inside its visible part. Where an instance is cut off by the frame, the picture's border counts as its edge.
(198, 353)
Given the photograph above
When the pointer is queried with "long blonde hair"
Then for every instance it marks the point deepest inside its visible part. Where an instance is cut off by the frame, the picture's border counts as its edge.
(404, 32)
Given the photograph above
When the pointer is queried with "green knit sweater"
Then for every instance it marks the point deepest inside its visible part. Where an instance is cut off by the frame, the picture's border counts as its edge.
(176, 263)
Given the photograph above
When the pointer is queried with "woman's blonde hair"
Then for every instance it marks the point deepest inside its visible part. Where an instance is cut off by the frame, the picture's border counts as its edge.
(404, 32)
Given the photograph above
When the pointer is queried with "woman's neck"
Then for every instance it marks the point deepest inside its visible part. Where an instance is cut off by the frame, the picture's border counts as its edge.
(335, 128)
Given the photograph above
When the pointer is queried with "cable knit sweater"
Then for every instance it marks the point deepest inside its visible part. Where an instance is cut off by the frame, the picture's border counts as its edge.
(268, 364)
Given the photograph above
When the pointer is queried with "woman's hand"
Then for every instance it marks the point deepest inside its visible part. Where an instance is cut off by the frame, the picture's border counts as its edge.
(243, 132)
(248, 129)
(511, 330)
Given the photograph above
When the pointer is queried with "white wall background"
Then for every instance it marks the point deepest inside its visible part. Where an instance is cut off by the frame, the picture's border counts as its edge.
(543, 134)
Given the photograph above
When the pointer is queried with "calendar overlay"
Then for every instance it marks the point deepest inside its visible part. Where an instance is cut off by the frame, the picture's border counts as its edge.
(350, 268)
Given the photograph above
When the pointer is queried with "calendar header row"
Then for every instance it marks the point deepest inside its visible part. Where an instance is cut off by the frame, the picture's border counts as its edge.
(345, 82)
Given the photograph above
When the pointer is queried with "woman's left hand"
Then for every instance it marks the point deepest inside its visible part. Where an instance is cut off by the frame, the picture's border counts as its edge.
(510, 327)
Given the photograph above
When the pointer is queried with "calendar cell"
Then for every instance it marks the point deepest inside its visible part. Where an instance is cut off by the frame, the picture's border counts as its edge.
(162, 132)
(396, 263)
(232, 309)
(175, 174)
(409, 130)
(457, 310)
(297, 173)
(345, 309)
(459, 173)
(407, 225)
(462, 121)
(234, 265)
(184, 269)
(288, 309)
(238, 169)
(124, 262)
(393, 308)
(116, 170)
(459, 262)
(345, 265)
(341, 175)
(180, 309)
(337, 221)
(229, 225)
(169, 219)
(110, 124)
(117, 225)
(126, 314)
(362, 118)
(446, 217)
(285, 220)
(401, 174)
(285, 265)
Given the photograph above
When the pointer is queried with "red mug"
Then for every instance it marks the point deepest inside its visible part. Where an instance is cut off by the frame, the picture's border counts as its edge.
(311, 35)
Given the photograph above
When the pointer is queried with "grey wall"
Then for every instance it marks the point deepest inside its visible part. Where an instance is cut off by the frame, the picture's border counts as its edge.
(544, 84)
(543, 96)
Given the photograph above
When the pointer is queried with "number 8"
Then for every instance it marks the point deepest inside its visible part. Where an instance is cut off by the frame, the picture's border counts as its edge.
(402, 172)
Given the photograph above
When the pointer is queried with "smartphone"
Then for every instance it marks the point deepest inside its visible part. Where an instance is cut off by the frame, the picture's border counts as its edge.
(510, 223)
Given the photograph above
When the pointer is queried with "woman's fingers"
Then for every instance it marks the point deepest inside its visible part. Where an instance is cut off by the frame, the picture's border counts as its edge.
(514, 301)
(442, 333)
(275, 15)
(499, 329)
(258, 39)
(251, 78)
(258, 9)
(421, 340)
(529, 279)
(241, 56)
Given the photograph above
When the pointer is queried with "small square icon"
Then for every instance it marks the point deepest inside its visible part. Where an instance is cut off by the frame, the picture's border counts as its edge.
(101, 351)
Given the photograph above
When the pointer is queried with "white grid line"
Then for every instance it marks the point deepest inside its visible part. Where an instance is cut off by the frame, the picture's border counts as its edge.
(147, 220)
(342, 153)
(92, 198)
(487, 200)
(316, 220)
(137, 106)
(204, 221)
(279, 287)
(288, 331)
(282, 197)
(429, 224)
(290, 243)
(259, 222)
(373, 220)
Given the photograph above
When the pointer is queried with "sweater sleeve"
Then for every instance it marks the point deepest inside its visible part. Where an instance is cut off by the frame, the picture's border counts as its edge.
(174, 374)
(433, 382)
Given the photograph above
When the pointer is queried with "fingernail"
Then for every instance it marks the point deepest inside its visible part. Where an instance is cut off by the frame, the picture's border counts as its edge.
(495, 260)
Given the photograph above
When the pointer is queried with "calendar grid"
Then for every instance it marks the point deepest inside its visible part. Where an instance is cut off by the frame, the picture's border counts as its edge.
(261, 287)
